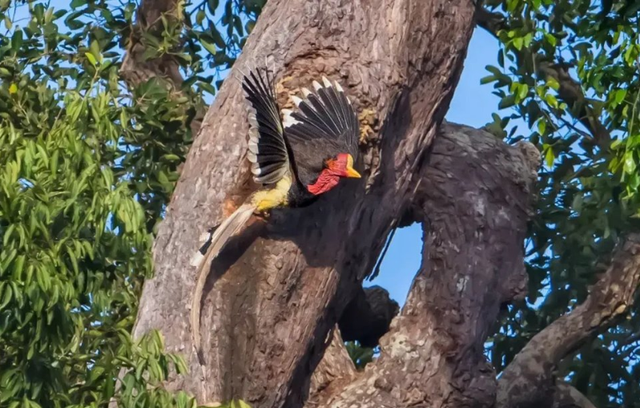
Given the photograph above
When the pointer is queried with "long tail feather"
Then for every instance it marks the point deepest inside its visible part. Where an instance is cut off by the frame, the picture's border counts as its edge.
(222, 234)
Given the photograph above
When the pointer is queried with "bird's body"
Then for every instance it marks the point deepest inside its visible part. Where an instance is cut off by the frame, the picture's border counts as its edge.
(296, 160)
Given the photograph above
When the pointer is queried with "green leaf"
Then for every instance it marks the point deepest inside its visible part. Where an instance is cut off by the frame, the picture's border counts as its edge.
(488, 79)
(213, 6)
(551, 100)
(7, 235)
(542, 127)
(94, 49)
(170, 157)
(550, 39)
(549, 156)
(217, 38)
(242, 404)
(6, 295)
(518, 43)
(200, 16)
(208, 47)
(18, 266)
(507, 102)
(619, 95)
(523, 90)
(16, 40)
(629, 165)
(91, 58)
(553, 83)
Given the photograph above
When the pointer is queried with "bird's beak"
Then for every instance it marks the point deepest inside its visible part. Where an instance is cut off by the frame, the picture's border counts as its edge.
(351, 172)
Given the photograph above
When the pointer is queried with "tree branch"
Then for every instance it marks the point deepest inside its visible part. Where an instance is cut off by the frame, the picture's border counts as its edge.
(491, 22)
(334, 370)
(529, 379)
(566, 396)
(473, 199)
(137, 69)
(570, 91)
(367, 317)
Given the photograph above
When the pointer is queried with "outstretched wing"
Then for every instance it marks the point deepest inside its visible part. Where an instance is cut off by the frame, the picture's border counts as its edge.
(325, 122)
(268, 153)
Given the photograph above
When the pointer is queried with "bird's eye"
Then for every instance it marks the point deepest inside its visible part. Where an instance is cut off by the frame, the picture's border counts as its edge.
(329, 163)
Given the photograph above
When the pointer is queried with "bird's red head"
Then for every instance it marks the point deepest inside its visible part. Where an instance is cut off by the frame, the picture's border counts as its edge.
(335, 168)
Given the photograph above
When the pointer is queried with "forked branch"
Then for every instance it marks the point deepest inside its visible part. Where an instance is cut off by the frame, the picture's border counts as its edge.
(529, 377)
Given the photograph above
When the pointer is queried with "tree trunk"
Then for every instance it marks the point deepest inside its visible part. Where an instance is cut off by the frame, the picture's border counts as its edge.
(474, 208)
(274, 296)
(473, 202)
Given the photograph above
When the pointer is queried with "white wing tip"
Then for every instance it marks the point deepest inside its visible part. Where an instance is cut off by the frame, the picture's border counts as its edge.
(339, 88)
(204, 237)
(306, 92)
(326, 82)
(296, 100)
(196, 259)
(316, 85)
(288, 120)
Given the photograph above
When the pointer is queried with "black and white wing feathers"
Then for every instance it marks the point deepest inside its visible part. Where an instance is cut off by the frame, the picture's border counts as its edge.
(324, 115)
(268, 151)
(323, 125)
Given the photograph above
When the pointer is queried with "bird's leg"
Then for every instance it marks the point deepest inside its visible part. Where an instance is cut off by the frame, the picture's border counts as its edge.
(263, 215)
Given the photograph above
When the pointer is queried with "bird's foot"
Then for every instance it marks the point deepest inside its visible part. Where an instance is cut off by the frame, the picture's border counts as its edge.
(265, 215)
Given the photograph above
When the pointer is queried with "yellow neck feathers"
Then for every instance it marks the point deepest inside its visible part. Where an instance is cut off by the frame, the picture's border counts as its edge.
(265, 200)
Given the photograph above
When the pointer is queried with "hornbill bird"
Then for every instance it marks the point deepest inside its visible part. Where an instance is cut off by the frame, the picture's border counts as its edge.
(296, 160)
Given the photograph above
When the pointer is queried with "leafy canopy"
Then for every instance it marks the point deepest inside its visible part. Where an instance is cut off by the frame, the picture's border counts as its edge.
(568, 72)
(87, 167)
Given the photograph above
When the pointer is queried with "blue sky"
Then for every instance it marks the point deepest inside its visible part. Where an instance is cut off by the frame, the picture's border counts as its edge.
(472, 105)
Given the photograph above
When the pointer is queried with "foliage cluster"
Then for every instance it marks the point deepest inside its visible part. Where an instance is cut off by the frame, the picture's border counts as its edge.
(568, 71)
(87, 168)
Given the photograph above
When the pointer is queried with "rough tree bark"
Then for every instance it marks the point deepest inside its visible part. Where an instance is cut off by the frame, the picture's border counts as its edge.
(433, 355)
(474, 202)
(266, 318)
